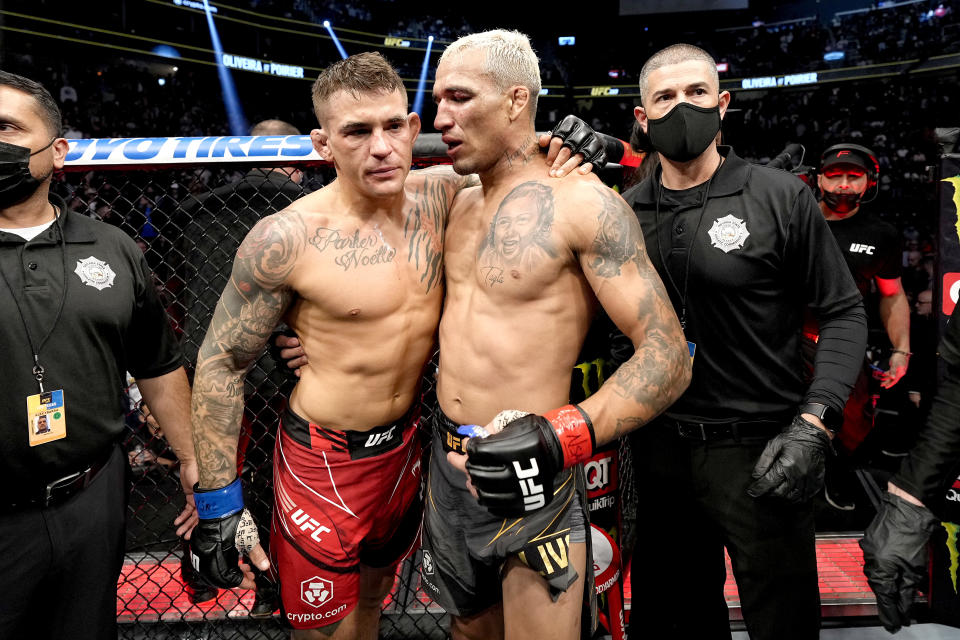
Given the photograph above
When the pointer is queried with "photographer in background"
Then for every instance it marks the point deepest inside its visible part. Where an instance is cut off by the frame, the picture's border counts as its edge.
(871, 249)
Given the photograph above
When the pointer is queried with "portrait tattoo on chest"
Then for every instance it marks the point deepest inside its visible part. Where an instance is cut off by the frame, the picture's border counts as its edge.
(352, 251)
(519, 235)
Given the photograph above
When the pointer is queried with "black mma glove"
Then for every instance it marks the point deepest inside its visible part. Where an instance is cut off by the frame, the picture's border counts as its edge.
(580, 138)
(792, 464)
(275, 351)
(513, 470)
(895, 557)
(226, 530)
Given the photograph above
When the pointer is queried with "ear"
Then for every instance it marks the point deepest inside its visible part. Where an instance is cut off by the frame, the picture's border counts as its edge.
(321, 144)
(60, 148)
(519, 101)
(413, 121)
(641, 115)
(820, 182)
(724, 103)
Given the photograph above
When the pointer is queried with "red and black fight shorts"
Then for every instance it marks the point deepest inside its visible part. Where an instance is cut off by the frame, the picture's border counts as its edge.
(342, 499)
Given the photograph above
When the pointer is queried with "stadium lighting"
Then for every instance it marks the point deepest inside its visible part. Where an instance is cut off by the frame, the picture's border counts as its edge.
(238, 122)
(161, 81)
(336, 40)
(422, 83)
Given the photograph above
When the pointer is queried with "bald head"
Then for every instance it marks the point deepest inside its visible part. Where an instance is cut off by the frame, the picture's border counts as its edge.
(676, 54)
(274, 128)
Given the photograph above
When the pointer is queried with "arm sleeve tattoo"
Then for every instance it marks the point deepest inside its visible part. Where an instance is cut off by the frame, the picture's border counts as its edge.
(252, 303)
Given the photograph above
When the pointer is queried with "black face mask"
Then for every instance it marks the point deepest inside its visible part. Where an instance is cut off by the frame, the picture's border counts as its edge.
(842, 202)
(685, 132)
(16, 182)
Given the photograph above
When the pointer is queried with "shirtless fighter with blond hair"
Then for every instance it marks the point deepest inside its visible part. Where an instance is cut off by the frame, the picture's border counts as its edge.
(528, 262)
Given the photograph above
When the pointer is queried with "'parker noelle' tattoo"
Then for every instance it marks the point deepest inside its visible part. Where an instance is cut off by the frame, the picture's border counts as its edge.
(519, 233)
(353, 250)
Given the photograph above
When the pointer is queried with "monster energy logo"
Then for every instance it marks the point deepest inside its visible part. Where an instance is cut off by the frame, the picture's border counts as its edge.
(952, 530)
(955, 181)
(596, 366)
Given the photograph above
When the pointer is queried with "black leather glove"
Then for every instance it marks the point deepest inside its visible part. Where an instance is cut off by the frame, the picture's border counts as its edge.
(895, 557)
(513, 470)
(792, 464)
(281, 330)
(225, 531)
(580, 138)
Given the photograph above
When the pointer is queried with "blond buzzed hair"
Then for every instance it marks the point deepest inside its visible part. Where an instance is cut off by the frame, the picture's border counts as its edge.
(675, 54)
(510, 60)
(367, 72)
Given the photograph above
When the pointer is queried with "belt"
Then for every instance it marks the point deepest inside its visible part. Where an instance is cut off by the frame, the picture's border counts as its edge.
(708, 432)
(449, 439)
(58, 491)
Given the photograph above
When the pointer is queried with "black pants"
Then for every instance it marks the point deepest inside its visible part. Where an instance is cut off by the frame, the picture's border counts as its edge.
(59, 566)
(692, 503)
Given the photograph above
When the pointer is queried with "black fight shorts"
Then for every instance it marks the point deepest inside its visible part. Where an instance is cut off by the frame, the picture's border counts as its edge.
(465, 547)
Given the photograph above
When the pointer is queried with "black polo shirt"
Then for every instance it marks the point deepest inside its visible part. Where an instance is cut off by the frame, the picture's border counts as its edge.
(762, 252)
(871, 248)
(112, 322)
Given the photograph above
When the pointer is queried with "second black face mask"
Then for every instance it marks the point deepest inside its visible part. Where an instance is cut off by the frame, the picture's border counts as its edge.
(842, 202)
(685, 132)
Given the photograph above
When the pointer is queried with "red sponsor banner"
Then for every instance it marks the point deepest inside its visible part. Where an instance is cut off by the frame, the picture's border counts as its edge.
(951, 291)
(601, 473)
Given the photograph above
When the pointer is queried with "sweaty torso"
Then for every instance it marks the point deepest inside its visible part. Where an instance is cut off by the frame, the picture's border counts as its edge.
(518, 306)
(368, 296)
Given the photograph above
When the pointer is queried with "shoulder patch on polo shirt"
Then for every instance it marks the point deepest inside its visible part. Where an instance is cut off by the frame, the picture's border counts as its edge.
(728, 233)
(95, 273)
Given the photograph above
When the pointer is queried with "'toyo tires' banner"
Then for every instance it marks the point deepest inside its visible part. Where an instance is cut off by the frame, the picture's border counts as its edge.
(188, 150)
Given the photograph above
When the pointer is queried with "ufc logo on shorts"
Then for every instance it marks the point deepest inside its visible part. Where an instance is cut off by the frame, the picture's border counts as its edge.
(380, 438)
(306, 523)
(856, 247)
(533, 497)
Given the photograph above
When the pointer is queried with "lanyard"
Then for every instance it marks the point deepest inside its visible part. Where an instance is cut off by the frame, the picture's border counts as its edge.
(693, 243)
(38, 369)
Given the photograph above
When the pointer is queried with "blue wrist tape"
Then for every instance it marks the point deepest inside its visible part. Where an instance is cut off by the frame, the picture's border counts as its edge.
(472, 431)
(219, 503)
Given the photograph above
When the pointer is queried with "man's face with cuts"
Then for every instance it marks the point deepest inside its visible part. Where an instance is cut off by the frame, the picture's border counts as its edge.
(369, 138)
(472, 114)
(21, 124)
(691, 81)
